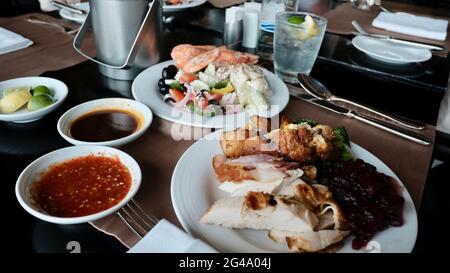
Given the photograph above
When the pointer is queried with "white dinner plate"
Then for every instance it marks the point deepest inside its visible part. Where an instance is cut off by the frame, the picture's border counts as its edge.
(145, 89)
(194, 189)
(79, 18)
(193, 3)
(390, 52)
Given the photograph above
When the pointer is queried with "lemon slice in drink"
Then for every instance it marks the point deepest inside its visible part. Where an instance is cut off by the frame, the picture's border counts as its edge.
(310, 26)
(14, 98)
(307, 27)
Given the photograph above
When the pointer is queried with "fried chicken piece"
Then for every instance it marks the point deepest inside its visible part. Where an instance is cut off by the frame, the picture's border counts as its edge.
(298, 142)
(294, 144)
(242, 142)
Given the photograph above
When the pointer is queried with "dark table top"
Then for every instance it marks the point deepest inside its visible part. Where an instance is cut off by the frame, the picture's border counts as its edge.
(22, 143)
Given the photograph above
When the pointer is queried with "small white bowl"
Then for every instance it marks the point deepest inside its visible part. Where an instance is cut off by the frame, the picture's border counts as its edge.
(31, 173)
(140, 110)
(22, 115)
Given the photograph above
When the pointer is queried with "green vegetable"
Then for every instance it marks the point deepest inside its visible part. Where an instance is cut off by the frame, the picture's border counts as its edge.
(198, 84)
(221, 84)
(341, 135)
(41, 90)
(311, 122)
(343, 142)
(39, 102)
(346, 153)
(208, 79)
(190, 106)
(176, 85)
(256, 99)
(210, 70)
(296, 20)
(196, 109)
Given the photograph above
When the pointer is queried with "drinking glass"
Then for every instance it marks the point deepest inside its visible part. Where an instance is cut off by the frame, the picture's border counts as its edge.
(296, 44)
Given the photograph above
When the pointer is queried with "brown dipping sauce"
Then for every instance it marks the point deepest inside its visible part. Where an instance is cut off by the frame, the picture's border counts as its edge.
(371, 200)
(104, 125)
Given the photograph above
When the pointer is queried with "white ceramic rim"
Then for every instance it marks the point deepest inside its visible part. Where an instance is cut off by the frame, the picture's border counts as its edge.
(73, 16)
(356, 43)
(148, 116)
(136, 182)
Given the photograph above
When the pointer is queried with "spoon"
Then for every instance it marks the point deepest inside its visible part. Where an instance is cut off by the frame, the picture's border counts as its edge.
(318, 90)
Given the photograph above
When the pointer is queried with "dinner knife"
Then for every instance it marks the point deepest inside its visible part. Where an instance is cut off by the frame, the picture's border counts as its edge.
(69, 8)
(398, 131)
(400, 41)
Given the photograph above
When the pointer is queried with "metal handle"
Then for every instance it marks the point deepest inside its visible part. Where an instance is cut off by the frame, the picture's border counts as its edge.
(411, 136)
(408, 124)
(134, 47)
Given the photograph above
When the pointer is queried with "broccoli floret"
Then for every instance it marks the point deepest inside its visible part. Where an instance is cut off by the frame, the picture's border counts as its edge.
(341, 135)
(343, 142)
(311, 122)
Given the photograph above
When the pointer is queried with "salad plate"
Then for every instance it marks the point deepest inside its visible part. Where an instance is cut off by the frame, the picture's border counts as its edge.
(145, 89)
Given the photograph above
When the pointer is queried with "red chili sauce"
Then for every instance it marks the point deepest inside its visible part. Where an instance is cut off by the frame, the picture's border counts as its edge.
(82, 186)
(371, 200)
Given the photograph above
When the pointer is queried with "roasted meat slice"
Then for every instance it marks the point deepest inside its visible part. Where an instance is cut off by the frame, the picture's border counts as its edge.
(309, 241)
(261, 211)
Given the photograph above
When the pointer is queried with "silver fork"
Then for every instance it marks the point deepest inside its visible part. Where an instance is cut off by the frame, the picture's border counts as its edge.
(139, 221)
(64, 29)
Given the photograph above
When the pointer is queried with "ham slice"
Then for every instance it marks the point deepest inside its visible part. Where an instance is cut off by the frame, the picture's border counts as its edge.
(260, 173)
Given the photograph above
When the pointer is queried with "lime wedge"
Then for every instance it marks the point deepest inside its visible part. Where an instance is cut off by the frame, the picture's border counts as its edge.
(41, 90)
(297, 20)
(39, 101)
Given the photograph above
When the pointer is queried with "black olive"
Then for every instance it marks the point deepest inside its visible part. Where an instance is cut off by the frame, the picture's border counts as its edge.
(213, 101)
(164, 90)
(161, 83)
(168, 99)
(169, 72)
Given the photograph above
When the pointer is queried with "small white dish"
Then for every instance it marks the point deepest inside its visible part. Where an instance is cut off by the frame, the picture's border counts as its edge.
(139, 110)
(58, 88)
(31, 173)
(79, 18)
(390, 52)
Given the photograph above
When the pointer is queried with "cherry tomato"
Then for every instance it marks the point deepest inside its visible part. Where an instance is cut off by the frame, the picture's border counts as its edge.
(187, 78)
(176, 94)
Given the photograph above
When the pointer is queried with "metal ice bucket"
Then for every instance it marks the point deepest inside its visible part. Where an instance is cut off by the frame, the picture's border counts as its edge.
(127, 36)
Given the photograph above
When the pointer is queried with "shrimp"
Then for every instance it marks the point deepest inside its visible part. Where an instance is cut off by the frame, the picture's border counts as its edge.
(193, 58)
(181, 54)
(227, 57)
(200, 61)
